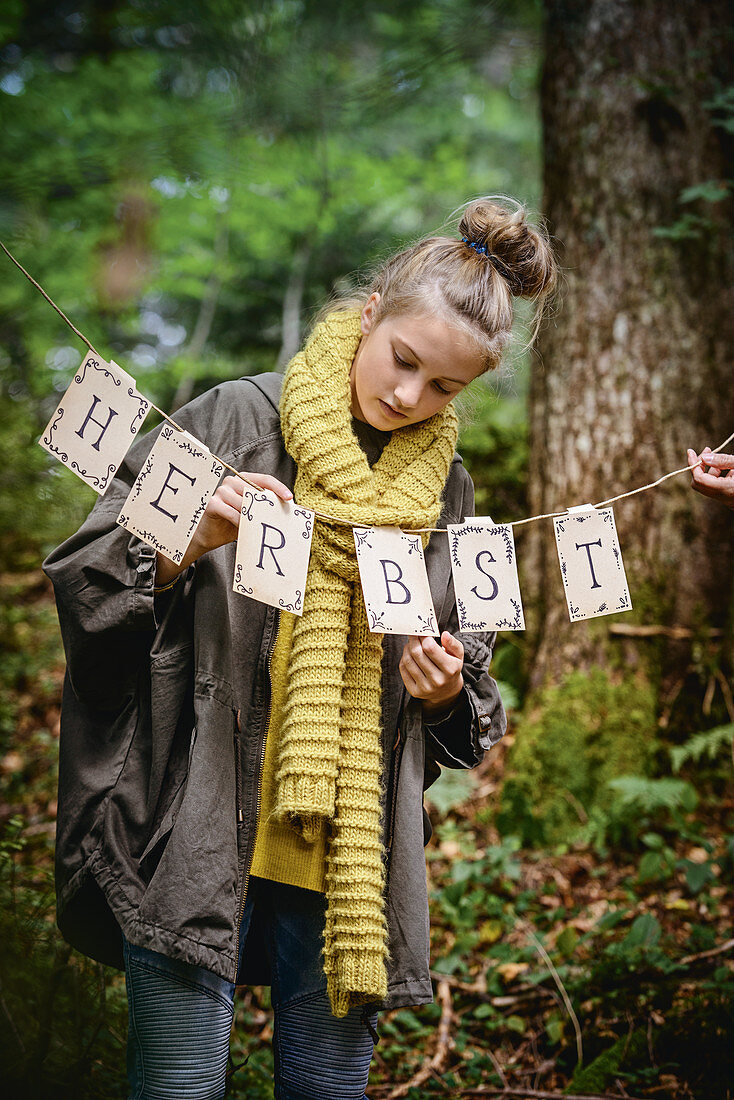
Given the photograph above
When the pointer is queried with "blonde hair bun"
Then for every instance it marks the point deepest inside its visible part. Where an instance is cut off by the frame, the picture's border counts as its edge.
(517, 250)
(472, 283)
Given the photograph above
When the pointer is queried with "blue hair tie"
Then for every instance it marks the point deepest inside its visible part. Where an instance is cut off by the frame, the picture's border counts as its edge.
(496, 262)
(480, 249)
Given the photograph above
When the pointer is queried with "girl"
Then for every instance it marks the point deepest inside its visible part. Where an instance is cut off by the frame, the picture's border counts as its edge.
(241, 790)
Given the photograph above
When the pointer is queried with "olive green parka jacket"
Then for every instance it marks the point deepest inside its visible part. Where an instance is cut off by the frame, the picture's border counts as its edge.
(164, 717)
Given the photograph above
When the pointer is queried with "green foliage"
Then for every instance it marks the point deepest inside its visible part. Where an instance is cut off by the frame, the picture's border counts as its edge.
(692, 225)
(64, 1017)
(494, 445)
(451, 789)
(708, 744)
(259, 155)
(606, 1067)
(575, 738)
(38, 502)
(636, 795)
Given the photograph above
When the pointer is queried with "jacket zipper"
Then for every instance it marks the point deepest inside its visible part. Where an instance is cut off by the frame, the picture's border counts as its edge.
(258, 800)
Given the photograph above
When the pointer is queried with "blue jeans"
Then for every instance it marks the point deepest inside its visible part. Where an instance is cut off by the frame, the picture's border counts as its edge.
(180, 1016)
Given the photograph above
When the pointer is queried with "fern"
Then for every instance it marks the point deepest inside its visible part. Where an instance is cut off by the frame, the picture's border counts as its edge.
(634, 792)
(708, 744)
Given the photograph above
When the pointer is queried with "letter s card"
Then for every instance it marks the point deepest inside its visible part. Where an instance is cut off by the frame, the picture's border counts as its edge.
(395, 587)
(484, 567)
(273, 550)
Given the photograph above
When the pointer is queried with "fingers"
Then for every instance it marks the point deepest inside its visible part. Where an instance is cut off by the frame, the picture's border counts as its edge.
(267, 481)
(714, 477)
(720, 461)
(430, 671)
(452, 645)
(225, 504)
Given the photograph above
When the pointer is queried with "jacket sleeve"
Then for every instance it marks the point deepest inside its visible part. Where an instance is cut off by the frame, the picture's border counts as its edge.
(103, 580)
(477, 720)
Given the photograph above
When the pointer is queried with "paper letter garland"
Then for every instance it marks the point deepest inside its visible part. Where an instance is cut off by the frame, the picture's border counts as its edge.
(99, 416)
(95, 422)
(392, 571)
(484, 568)
(273, 548)
(603, 589)
(591, 563)
(171, 493)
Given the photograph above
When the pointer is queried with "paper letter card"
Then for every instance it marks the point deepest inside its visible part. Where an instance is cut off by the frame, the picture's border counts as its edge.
(591, 563)
(486, 584)
(171, 493)
(273, 549)
(394, 581)
(96, 421)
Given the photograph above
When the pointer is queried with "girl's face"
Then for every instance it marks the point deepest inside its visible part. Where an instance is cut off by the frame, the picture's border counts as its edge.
(407, 368)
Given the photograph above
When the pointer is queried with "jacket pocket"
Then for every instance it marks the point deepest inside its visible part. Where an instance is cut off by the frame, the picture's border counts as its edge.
(168, 820)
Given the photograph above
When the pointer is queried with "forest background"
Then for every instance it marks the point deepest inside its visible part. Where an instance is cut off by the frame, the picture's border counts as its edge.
(189, 182)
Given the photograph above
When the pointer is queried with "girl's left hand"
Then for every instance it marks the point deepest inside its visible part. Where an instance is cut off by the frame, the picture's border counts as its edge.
(432, 672)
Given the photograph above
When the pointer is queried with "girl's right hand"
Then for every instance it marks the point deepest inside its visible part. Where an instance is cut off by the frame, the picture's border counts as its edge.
(220, 522)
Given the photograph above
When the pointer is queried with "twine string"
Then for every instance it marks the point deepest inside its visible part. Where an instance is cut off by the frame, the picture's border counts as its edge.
(61, 313)
(334, 519)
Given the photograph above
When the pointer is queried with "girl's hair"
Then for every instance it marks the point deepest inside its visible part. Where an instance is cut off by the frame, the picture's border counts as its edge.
(472, 281)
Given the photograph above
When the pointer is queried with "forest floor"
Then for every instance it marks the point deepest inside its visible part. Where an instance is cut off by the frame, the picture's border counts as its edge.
(599, 968)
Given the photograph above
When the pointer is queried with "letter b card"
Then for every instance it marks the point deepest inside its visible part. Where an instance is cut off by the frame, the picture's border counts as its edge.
(591, 563)
(392, 570)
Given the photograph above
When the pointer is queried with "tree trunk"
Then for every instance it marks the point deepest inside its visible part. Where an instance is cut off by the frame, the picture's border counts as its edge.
(207, 309)
(292, 305)
(636, 363)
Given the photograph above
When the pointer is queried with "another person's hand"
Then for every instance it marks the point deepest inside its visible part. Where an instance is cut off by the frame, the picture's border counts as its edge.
(715, 477)
(433, 672)
(220, 522)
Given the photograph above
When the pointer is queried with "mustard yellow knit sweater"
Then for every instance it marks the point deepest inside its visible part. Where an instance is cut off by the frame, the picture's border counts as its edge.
(281, 852)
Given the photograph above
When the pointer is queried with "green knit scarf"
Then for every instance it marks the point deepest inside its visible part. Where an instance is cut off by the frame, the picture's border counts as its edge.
(330, 766)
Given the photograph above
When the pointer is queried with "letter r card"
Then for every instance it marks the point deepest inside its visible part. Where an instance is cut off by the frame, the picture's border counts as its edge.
(273, 550)
(395, 586)
(591, 563)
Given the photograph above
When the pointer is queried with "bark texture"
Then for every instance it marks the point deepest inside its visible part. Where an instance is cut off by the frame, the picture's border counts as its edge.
(636, 363)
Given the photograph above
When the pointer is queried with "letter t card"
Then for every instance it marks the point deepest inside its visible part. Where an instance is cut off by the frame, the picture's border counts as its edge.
(591, 563)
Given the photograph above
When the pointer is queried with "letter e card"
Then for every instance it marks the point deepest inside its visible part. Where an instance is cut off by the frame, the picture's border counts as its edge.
(392, 570)
(273, 550)
(171, 492)
(591, 563)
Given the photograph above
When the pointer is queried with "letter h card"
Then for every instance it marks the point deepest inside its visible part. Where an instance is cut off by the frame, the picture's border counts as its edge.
(96, 421)
(591, 563)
